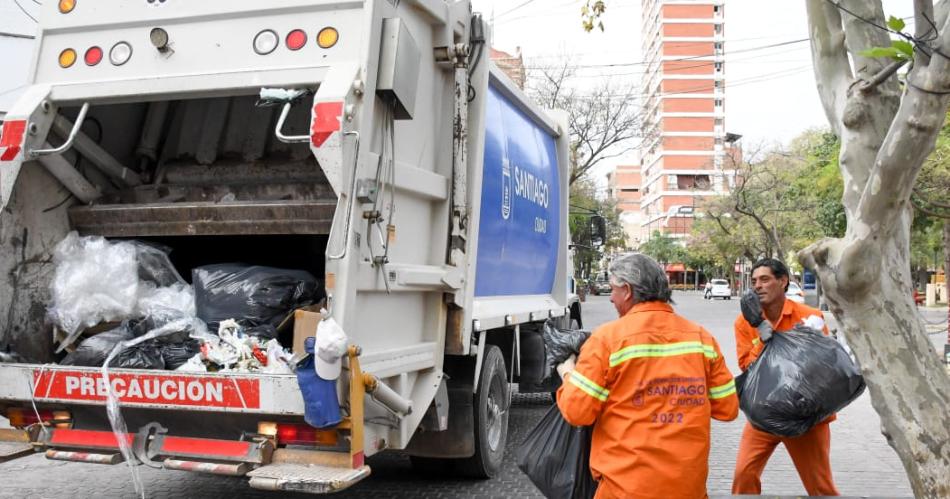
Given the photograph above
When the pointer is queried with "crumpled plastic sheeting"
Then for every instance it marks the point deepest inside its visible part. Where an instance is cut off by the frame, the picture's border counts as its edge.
(166, 304)
(116, 421)
(95, 281)
(101, 281)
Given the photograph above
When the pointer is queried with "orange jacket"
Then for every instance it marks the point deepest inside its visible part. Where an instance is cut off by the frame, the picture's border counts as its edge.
(748, 345)
(649, 383)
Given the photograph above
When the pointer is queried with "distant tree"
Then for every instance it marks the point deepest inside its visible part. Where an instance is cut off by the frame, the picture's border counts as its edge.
(584, 205)
(604, 120)
(663, 248)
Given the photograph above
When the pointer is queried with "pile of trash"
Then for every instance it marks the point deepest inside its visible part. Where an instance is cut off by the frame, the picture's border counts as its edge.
(109, 293)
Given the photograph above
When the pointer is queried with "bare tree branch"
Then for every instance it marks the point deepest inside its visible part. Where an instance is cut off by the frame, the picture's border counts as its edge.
(603, 122)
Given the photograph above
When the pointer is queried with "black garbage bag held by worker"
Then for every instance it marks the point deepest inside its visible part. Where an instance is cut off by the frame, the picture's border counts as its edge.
(801, 377)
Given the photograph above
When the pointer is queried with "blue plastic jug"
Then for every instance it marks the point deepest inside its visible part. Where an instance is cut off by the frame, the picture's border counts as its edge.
(321, 405)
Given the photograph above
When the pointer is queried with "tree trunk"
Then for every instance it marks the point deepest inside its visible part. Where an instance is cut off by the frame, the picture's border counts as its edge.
(946, 272)
(885, 138)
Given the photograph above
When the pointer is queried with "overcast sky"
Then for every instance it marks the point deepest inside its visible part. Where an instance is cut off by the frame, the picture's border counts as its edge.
(770, 90)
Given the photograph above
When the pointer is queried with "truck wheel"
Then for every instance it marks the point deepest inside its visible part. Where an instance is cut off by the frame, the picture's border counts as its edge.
(491, 417)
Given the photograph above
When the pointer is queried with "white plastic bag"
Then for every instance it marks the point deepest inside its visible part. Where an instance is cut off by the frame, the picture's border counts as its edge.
(278, 359)
(95, 281)
(166, 304)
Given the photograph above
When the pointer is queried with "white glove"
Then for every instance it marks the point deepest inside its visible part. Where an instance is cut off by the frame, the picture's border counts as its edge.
(567, 366)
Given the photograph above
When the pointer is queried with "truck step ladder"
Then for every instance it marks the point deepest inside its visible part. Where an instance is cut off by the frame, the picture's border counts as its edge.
(309, 478)
(14, 444)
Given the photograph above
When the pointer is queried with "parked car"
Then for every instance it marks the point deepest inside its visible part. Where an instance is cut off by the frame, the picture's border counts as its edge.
(600, 288)
(720, 289)
(795, 292)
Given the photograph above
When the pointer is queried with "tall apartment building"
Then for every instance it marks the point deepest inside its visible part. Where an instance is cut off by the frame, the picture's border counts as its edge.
(684, 112)
(624, 183)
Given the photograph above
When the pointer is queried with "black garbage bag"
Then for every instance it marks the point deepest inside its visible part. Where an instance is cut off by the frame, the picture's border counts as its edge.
(801, 378)
(145, 355)
(559, 344)
(93, 351)
(251, 295)
(177, 354)
(556, 457)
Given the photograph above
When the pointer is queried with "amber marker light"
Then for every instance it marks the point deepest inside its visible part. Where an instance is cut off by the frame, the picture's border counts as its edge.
(67, 6)
(327, 37)
(67, 58)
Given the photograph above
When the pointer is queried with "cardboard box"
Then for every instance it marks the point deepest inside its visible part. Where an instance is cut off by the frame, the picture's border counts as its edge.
(305, 326)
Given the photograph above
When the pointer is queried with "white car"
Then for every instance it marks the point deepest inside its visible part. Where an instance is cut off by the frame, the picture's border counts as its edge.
(720, 289)
(795, 292)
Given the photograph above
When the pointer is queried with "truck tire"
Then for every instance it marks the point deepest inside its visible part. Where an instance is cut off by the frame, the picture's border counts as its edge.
(491, 418)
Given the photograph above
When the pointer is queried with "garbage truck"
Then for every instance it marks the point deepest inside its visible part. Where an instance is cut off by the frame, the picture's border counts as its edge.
(372, 143)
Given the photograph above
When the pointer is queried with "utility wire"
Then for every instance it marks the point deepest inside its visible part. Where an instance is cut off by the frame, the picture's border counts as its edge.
(509, 11)
(689, 58)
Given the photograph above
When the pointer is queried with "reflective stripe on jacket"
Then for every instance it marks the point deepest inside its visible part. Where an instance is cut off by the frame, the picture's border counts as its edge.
(649, 382)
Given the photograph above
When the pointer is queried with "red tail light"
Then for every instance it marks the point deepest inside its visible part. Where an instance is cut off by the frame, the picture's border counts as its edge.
(299, 434)
(296, 39)
(93, 56)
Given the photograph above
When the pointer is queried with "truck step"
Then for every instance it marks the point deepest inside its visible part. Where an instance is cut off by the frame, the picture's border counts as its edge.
(12, 450)
(14, 444)
(308, 478)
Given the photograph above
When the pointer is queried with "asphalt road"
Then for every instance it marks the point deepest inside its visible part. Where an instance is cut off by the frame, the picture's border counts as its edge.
(862, 462)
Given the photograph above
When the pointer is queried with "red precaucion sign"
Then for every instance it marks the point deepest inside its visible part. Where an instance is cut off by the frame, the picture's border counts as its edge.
(149, 389)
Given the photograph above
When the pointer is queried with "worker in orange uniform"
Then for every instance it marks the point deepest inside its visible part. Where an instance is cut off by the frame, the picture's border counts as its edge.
(649, 383)
(811, 451)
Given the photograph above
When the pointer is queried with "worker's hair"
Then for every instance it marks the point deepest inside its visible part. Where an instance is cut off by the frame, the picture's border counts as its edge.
(778, 268)
(645, 277)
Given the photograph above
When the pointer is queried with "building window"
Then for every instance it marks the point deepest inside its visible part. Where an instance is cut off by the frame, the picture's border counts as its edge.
(630, 190)
(718, 29)
(718, 47)
(718, 141)
(718, 122)
(671, 181)
(718, 84)
(718, 102)
(718, 67)
(716, 9)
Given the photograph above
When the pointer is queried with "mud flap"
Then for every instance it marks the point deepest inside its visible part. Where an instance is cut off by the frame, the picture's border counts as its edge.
(458, 440)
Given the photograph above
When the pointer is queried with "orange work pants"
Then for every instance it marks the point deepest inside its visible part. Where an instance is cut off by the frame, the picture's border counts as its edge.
(810, 453)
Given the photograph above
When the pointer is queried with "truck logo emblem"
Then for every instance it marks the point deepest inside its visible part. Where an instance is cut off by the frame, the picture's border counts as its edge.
(505, 189)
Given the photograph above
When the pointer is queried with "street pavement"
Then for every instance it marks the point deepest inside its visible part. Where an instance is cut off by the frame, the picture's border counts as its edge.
(862, 462)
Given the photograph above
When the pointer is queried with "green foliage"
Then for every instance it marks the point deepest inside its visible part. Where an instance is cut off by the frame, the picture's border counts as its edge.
(899, 50)
(584, 203)
(779, 205)
(663, 248)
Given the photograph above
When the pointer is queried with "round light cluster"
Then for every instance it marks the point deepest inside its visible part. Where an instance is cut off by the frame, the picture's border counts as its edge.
(119, 54)
(267, 40)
